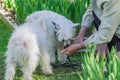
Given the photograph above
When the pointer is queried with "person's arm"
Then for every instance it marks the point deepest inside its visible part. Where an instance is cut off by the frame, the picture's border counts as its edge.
(87, 18)
(80, 37)
(87, 21)
(110, 21)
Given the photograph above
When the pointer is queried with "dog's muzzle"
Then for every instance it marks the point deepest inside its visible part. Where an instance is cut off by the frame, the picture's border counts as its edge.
(67, 43)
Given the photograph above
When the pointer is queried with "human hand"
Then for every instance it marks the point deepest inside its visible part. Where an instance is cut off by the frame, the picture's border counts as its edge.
(73, 48)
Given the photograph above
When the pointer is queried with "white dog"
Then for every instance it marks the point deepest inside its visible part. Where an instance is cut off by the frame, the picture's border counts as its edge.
(35, 42)
(59, 30)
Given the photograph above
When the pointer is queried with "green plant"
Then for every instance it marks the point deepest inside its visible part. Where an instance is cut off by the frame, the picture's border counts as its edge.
(5, 32)
(70, 9)
(9, 3)
(92, 67)
(113, 65)
(96, 68)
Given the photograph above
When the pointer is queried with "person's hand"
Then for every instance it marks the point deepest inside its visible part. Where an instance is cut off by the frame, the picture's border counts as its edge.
(73, 48)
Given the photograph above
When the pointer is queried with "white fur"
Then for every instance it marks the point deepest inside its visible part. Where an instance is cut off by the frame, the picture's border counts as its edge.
(35, 43)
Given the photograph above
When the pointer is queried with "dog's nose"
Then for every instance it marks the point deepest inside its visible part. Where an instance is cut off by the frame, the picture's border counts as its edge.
(67, 43)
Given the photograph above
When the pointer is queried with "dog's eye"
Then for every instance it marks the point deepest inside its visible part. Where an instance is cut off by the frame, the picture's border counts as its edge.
(74, 28)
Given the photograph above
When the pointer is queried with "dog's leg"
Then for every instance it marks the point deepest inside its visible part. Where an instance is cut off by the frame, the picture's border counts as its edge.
(10, 68)
(45, 64)
(27, 72)
(61, 57)
(52, 55)
(30, 66)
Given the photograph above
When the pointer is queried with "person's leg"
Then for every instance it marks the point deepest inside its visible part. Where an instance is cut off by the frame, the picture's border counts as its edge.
(115, 42)
(102, 49)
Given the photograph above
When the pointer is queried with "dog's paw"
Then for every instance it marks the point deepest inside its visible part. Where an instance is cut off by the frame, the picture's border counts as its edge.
(48, 72)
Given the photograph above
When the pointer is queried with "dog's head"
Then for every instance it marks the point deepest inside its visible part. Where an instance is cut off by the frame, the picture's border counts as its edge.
(65, 32)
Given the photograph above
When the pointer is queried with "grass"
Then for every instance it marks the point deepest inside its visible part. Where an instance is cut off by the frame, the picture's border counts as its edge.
(5, 32)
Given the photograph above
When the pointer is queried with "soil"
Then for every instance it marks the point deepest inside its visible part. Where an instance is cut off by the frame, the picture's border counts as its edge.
(9, 13)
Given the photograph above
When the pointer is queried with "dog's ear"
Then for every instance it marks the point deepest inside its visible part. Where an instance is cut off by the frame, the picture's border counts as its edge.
(57, 27)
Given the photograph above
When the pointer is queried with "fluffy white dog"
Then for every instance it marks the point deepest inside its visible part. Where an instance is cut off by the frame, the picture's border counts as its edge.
(35, 42)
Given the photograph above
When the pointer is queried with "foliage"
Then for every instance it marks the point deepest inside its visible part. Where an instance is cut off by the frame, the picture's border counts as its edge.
(4, 36)
(72, 9)
(92, 67)
(113, 66)
(96, 68)
(9, 3)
